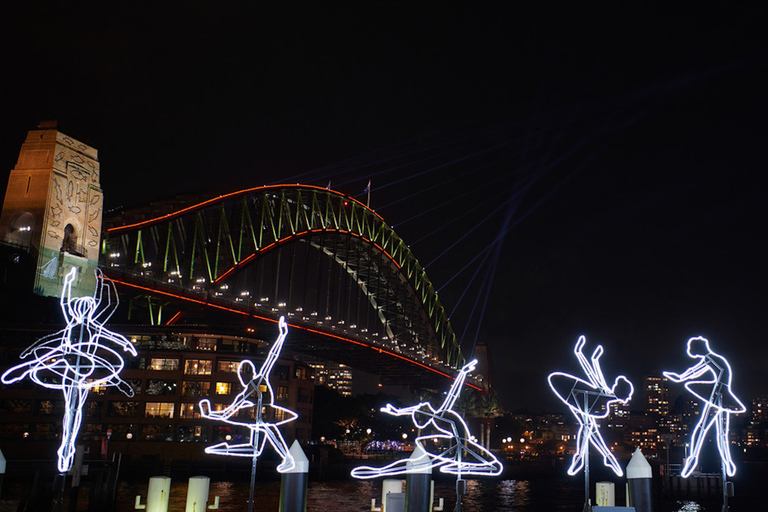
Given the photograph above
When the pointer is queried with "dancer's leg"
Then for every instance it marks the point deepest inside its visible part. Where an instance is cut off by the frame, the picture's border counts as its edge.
(608, 458)
(723, 424)
(74, 400)
(278, 443)
(697, 439)
(582, 445)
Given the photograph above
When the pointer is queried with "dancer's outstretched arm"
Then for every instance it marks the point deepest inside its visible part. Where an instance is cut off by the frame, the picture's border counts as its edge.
(274, 352)
(105, 290)
(66, 295)
(693, 372)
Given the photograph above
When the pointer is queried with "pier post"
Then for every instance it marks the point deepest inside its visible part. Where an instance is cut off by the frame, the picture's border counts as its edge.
(605, 494)
(2, 471)
(197, 493)
(388, 486)
(639, 477)
(158, 495)
(293, 484)
(418, 482)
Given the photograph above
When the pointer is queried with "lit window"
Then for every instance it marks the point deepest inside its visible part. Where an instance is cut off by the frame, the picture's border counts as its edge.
(163, 364)
(189, 411)
(159, 410)
(198, 367)
(228, 366)
(223, 388)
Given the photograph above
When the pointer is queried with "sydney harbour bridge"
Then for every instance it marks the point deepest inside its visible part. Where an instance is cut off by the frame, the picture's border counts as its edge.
(349, 287)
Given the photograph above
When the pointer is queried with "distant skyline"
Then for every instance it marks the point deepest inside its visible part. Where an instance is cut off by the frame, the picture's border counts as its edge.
(610, 163)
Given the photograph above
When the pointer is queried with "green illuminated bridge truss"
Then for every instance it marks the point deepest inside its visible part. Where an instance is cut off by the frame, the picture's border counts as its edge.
(324, 260)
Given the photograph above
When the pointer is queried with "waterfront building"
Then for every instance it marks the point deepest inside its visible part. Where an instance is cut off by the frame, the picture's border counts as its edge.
(333, 375)
(171, 374)
(51, 221)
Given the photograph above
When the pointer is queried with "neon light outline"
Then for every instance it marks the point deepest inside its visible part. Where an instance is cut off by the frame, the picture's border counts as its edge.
(717, 408)
(452, 427)
(213, 200)
(299, 235)
(68, 359)
(582, 398)
(255, 446)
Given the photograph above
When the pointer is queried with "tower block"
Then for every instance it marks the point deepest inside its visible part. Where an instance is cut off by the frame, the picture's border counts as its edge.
(53, 208)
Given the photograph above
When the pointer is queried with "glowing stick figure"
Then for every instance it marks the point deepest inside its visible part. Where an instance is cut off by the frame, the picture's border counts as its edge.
(589, 400)
(719, 401)
(75, 360)
(463, 456)
(255, 385)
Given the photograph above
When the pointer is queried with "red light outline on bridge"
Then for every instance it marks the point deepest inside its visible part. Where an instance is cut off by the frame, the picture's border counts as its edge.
(174, 318)
(198, 206)
(298, 235)
(295, 326)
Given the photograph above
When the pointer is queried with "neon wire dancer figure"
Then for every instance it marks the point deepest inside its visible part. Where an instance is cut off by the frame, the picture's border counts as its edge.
(75, 359)
(463, 455)
(719, 402)
(589, 401)
(250, 404)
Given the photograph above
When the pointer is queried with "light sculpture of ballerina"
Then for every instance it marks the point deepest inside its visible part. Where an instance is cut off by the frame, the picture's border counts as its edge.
(462, 457)
(589, 400)
(249, 409)
(709, 380)
(82, 356)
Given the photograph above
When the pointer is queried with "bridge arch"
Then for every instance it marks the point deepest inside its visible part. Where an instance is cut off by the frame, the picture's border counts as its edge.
(320, 257)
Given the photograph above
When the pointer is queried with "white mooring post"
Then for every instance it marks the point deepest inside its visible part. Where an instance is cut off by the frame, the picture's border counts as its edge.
(158, 494)
(388, 486)
(418, 480)
(2, 471)
(293, 484)
(605, 494)
(639, 477)
(197, 494)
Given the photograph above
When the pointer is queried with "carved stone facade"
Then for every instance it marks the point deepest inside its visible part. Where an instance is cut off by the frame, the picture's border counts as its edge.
(53, 206)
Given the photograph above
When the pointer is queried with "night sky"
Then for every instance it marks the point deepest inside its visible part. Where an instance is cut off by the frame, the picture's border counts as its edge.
(559, 171)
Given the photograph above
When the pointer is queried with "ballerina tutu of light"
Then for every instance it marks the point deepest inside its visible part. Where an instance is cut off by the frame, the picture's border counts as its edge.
(462, 457)
(589, 401)
(82, 356)
(250, 404)
(709, 380)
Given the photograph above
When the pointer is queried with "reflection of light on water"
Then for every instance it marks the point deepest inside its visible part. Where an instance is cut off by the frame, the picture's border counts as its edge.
(483, 495)
(497, 495)
(343, 495)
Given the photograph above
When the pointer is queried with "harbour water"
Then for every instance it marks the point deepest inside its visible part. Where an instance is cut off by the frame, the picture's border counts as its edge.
(541, 494)
(519, 490)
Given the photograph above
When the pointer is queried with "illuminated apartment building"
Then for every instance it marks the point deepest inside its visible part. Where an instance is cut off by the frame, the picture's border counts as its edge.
(756, 433)
(656, 394)
(334, 375)
(170, 375)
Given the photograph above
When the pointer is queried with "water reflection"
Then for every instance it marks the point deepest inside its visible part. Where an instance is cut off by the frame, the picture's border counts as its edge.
(536, 495)
(689, 506)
